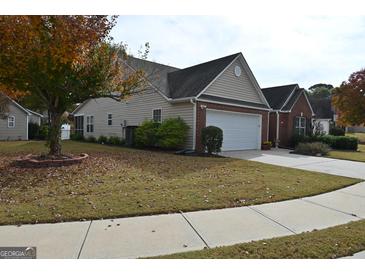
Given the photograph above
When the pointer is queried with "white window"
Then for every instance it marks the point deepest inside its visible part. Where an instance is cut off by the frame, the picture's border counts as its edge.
(110, 119)
(11, 121)
(157, 115)
(300, 125)
(90, 123)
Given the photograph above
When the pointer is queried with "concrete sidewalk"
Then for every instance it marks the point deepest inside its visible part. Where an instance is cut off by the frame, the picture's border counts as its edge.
(282, 157)
(172, 233)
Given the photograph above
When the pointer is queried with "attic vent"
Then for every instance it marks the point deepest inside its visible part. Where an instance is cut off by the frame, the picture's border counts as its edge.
(237, 71)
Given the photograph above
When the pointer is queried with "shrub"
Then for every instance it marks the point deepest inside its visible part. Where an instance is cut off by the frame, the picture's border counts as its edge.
(340, 142)
(296, 139)
(172, 133)
(335, 142)
(102, 139)
(314, 149)
(146, 134)
(43, 132)
(115, 141)
(212, 139)
(91, 139)
(337, 131)
(77, 137)
(33, 131)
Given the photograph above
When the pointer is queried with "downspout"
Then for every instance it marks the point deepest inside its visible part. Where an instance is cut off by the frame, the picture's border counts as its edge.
(194, 122)
(277, 129)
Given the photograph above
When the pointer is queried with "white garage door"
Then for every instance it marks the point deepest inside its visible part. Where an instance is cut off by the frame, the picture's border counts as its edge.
(240, 131)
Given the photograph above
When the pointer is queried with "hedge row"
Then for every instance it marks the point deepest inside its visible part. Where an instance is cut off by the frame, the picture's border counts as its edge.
(335, 142)
(112, 140)
(170, 134)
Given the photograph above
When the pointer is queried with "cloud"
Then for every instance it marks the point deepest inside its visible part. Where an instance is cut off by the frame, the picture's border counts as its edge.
(279, 49)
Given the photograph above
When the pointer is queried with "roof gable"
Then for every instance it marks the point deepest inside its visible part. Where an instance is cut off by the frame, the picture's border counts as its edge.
(16, 104)
(191, 81)
(279, 96)
(241, 87)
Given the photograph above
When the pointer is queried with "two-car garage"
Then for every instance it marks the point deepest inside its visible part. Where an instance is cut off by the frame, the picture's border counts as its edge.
(241, 131)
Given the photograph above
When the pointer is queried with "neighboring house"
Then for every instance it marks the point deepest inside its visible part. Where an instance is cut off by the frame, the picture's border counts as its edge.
(14, 123)
(324, 114)
(222, 92)
(291, 113)
(355, 129)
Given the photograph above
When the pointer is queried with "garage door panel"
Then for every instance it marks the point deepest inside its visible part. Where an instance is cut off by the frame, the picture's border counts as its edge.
(240, 131)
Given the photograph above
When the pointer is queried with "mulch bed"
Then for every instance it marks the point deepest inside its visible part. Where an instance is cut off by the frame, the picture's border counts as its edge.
(39, 161)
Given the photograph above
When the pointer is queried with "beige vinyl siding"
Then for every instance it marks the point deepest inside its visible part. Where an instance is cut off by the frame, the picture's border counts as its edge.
(228, 85)
(99, 108)
(19, 132)
(133, 111)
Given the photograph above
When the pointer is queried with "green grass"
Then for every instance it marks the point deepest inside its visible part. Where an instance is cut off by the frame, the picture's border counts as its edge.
(349, 155)
(118, 182)
(330, 243)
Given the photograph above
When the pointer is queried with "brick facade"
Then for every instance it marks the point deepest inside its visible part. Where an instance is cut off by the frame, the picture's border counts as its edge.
(201, 119)
(286, 121)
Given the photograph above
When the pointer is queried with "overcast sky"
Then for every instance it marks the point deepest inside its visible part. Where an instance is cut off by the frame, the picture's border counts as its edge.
(298, 49)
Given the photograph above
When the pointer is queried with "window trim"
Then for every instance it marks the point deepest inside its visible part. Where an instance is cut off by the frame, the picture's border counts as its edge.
(111, 119)
(160, 109)
(299, 127)
(13, 117)
(88, 123)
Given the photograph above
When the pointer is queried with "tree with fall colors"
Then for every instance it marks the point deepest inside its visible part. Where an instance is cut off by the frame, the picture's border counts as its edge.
(349, 100)
(57, 61)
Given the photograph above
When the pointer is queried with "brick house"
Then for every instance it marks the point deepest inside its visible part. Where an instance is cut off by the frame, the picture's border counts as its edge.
(291, 113)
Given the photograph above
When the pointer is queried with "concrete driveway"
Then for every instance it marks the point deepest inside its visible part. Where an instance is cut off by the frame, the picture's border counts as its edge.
(282, 157)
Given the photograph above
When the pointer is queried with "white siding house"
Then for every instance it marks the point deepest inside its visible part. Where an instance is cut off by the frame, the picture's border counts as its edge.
(14, 124)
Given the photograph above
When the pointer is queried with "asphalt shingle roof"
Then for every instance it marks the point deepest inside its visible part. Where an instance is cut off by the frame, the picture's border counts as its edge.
(191, 81)
(156, 73)
(277, 96)
(293, 99)
(322, 108)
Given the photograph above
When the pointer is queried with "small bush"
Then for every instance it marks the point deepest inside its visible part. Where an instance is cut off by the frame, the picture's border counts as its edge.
(212, 139)
(91, 139)
(146, 134)
(77, 137)
(115, 141)
(314, 149)
(33, 131)
(102, 139)
(172, 133)
(335, 142)
(337, 131)
(296, 139)
(43, 132)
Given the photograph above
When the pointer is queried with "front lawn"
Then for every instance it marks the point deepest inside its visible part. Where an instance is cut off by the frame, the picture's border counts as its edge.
(335, 242)
(349, 155)
(117, 182)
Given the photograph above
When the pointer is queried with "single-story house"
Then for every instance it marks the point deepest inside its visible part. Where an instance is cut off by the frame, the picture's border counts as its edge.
(14, 121)
(221, 92)
(324, 114)
(291, 113)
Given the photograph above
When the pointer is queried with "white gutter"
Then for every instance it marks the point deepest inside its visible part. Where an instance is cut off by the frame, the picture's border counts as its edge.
(277, 129)
(194, 122)
(185, 99)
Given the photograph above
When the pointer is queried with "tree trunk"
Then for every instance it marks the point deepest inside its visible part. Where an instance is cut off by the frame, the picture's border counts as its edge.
(54, 135)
